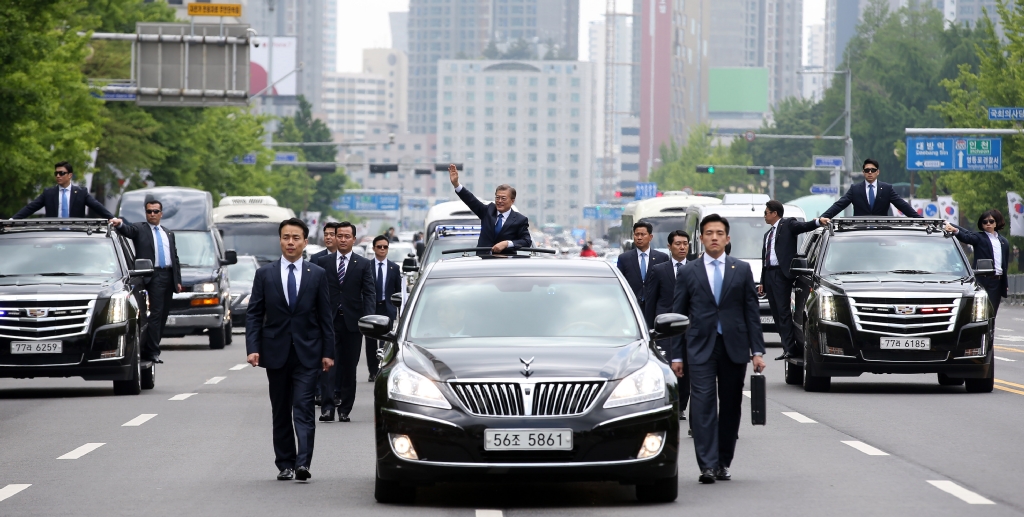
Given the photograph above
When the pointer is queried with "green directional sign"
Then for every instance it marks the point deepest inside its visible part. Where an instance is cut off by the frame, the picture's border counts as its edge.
(979, 147)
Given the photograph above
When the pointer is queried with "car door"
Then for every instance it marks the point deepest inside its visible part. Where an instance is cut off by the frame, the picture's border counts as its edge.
(137, 285)
(804, 283)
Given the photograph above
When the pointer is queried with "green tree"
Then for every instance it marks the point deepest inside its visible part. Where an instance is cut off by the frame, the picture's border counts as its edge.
(680, 164)
(294, 186)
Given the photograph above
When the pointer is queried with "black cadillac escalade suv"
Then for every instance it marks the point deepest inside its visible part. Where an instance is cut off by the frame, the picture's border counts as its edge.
(890, 295)
(73, 303)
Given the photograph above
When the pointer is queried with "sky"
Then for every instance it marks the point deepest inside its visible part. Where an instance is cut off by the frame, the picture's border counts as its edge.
(365, 24)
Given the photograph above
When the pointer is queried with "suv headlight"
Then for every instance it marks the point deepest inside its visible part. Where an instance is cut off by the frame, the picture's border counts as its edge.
(647, 383)
(408, 386)
(205, 288)
(117, 309)
(826, 306)
(980, 306)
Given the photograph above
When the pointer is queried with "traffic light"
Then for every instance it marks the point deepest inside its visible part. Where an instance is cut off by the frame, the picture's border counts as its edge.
(421, 172)
(444, 167)
(757, 171)
(706, 169)
(383, 168)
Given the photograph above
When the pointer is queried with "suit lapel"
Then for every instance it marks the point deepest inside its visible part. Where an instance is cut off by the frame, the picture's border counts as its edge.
(728, 273)
(276, 280)
(352, 263)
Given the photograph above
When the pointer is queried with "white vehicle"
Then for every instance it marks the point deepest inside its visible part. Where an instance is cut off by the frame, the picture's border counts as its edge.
(666, 214)
(249, 225)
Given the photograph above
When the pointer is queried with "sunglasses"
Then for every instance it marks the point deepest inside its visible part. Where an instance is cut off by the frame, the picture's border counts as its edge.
(870, 170)
(153, 211)
(989, 221)
(61, 173)
(381, 247)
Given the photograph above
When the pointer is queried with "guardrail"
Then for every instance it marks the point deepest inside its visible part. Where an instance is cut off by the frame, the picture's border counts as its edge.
(1016, 289)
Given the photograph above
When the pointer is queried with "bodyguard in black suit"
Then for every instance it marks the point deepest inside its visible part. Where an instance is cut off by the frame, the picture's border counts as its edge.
(350, 279)
(870, 197)
(64, 200)
(330, 232)
(500, 226)
(717, 293)
(984, 244)
(156, 243)
(778, 247)
(636, 264)
(288, 331)
(660, 295)
(387, 280)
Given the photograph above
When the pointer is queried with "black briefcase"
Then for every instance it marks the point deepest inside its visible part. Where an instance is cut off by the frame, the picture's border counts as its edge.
(758, 400)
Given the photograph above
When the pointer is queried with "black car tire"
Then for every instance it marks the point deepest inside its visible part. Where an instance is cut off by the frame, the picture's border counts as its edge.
(945, 380)
(216, 338)
(985, 385)
(227, 333)
(388, 491)
(663, 490)
(131, 386)
(149, 377)
(813, 383)
(794, 374)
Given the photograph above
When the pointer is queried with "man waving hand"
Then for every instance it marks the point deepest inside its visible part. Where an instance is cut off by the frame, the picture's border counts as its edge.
(502, 228)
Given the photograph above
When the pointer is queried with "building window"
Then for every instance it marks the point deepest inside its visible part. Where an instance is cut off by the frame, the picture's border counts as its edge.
(552, 158)
(532, 157)
(470, 126)
(448, 141)
(533, 112)
(512, 172)
(489, 96)
(489, 112)
(551, 174)
(532, 142)
(471, 81)
(575, 97)
(448, 81)
(447, 96)
(574, 189)
(575, 112)
(533, 81)
(511, 157)
(511, 126)
(574, 158)
(574, 142)
(552, 127)
(533, 96)
(470, 96)
(551, 142)
(512, 111)
(551, 190)
(574, 173)
(532, 173)
(575, 82)
(489, 172)
(512, 96)
(470, 140)
(511, 142)
(533, 128)
(552, 97)
(488, 142)
(533, 202)
(447, 126)
(552, 112)
(552, 81)
(532, 188)
(489, 81)
(447, 110)
(470, 111)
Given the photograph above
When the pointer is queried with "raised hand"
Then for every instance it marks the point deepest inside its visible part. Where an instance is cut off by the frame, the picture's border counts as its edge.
(453, 173)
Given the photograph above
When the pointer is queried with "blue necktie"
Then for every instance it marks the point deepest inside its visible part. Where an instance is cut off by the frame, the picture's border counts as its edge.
(643, 267)
(64, 203)
(293, 292)
(380, 281)
(159, 248)
(717, 278)
(497, 227)
(871, 196)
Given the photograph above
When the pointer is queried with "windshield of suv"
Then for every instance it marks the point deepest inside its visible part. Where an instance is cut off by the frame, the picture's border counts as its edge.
(52, 255)
(746, 234)
(195, 249)
(510, 307)
(875, 252)
(243, 273)
(257, 239)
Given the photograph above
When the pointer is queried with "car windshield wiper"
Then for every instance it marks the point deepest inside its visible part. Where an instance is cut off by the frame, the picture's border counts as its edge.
(61, 273)
(911, 272)
(850, 273)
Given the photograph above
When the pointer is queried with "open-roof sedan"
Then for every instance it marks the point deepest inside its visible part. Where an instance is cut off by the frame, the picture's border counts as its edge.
(524, 368)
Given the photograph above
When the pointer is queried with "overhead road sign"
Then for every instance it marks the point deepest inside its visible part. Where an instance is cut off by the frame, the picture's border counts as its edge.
(233, 10)
(646, 191)
(954, 154)
(824, 189)
(367, 201)
(286, 157)
(602, 212)
(1006, 113)
(828, 161)
(966, 131)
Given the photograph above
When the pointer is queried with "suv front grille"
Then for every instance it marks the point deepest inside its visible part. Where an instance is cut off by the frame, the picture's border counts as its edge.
(45, 316)
(905, 314)
(528, 398)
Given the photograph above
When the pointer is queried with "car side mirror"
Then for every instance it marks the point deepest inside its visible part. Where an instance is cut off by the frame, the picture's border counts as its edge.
(669, 325)
(376, 327)
(409, 265)
(396, 299)
(799, 267)
(230, 257)
(985, 267)
(143, 267)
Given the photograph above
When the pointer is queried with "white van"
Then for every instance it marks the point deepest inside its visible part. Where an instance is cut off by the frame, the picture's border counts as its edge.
(667, 214)
(249, 225)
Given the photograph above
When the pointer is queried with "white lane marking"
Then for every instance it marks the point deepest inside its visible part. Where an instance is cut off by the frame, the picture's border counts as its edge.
(81, 451)
(865, 448)
(1005, 359)
(10, 490)
(215, 380)
(139, 420)
(746, 394)
(489, 513)
(1004, 330)
(237, 367)
(798, 417)
(182, 396)
(959, 492)
(1010, 338)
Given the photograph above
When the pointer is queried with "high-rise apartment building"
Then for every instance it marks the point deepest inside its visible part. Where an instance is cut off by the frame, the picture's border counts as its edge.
(674, 75)
(622, 86)
(814, 61)
(393, 66)
(543, 21)
(524, 123)
(400, 30)
(783, 44)
(351, 101)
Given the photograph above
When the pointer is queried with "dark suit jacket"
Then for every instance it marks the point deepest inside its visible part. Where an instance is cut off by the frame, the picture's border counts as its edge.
(629, 264)
(516, 227)
(316, 256)
(141, 235)
(785, 243)
(272, 328)
(356, 297)
(392, 284)
(78, 199)
(659, 291)
(738, 312)
(858, 196)
(983, 250)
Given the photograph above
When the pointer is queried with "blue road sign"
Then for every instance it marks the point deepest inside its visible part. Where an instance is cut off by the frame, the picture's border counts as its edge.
(366, 202)
(646, 190)
(249, 159)
(954, 154)
(1006, 113)
(286, 157)
(601, 212)
(112, 96)
(830, 162)
(824, 189)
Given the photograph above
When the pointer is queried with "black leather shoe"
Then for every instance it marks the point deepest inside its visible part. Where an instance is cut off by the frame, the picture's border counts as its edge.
(327, 415)
(723, 474)
(707, 476)
(317, 400)
(302, 474)
(154, 359)
(682, 415)
(372, 378)
(343, 417)
(286, 475)
(785, 355)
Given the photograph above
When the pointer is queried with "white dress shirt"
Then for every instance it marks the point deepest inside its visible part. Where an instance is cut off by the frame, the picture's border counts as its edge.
(997, 252)
(165, 250)
(284, 276)
(773, 260)
(674, 262)
(867, 188)
(60, 200)
(382, 267)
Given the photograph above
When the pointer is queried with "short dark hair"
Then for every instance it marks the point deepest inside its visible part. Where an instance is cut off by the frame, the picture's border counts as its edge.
(872, 161)
(379, 238)
(504, 186)
(294, 221)
(714, 218)
(775, 206)
(644, 224)
(153, 201)
(67, 166)
(346, 224)
(678, 233)
(333, 225)
(994, 214)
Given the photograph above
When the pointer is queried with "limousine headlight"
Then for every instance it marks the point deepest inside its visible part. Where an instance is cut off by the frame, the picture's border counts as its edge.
(117, 309)
(408, 386)
(647, 383)
(980, 311)
(827, 306)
